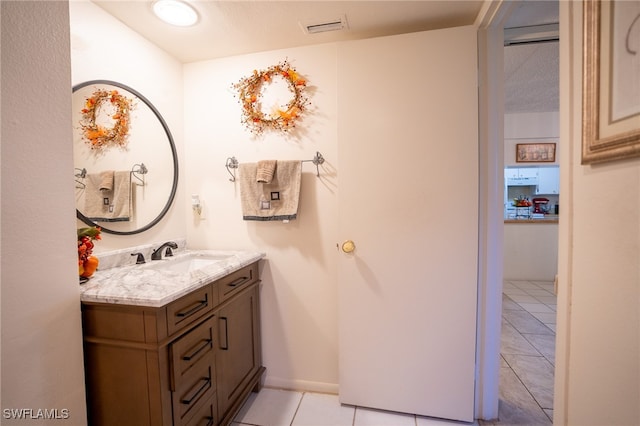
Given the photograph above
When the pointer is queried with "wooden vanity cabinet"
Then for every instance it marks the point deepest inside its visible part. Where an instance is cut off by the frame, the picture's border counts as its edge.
(191, 362)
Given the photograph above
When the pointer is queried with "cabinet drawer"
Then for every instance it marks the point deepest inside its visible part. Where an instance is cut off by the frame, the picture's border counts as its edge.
(193, 390)
(236, 281)
(188, 350)
(206, 414)
(189, 308)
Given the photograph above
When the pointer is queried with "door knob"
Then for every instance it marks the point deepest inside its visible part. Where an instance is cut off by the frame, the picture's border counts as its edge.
(348, 246)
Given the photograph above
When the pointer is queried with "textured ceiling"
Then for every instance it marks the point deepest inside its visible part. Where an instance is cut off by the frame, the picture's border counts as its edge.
(531, 69)
(229, 28)
(531, 77)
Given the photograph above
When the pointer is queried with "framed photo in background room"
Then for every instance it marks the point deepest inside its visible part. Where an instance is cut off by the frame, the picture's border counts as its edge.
(535, 152)
(611, 80)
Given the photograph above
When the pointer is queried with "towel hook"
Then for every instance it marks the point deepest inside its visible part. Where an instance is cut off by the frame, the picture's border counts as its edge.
(232, 163)
(317, 160)
(82, 173)
(139, 169)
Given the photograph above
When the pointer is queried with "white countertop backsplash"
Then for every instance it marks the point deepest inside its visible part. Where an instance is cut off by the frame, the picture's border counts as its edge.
(120, 281)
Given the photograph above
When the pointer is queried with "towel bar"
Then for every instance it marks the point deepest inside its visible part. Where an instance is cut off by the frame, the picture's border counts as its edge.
(232, 163)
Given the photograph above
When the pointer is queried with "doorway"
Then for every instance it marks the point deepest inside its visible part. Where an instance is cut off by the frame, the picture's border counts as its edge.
(527, 352)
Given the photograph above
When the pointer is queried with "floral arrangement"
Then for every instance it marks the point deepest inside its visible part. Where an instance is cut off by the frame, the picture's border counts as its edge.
(87, 264)
(99, 137)
(250, 91)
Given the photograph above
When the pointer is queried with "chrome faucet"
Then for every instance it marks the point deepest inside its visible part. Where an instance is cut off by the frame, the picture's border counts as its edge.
(157, 253)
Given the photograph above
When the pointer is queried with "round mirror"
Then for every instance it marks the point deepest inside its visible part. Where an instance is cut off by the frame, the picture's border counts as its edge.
(126, 165)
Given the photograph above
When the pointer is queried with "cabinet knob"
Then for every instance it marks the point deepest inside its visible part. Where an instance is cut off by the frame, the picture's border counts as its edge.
(348, 246)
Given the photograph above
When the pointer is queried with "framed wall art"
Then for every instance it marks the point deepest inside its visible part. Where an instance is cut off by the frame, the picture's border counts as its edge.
(535, 152)
(611, 76)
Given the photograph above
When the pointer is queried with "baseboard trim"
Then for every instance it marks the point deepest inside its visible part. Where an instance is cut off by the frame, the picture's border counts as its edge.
(300, 385)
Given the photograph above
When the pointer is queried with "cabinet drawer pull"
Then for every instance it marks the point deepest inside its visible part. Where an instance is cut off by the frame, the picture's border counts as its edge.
(207, 382)
(238, 281)
(203, 346)
(195, 308)
(209, 420)
(224, 347)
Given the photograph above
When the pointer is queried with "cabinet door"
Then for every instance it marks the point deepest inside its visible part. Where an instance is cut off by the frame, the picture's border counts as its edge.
(528, 172)
(548, 180)
(238, 358)
(511, 173)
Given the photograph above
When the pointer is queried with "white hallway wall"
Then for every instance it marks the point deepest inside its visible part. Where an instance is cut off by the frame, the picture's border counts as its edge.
(42, 366)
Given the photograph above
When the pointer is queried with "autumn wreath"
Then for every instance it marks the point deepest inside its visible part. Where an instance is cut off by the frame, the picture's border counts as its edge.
(99, 137)
(250, 90)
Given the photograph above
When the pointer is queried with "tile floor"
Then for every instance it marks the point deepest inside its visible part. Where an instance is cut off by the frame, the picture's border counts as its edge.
(526, 376)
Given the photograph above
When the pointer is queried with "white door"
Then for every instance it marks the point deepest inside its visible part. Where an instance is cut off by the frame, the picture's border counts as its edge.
(408, 161)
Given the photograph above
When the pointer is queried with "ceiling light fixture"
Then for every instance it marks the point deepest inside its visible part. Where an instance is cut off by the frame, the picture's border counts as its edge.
(175, 12)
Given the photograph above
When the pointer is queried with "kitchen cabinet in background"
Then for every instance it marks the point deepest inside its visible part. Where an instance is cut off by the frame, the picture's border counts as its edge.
(548, 180)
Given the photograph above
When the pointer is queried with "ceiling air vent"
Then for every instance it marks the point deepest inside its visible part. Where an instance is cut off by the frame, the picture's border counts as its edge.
(337, 24)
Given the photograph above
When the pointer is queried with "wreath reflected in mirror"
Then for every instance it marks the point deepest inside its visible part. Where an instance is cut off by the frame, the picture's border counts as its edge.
(105, 120)
(283, 115)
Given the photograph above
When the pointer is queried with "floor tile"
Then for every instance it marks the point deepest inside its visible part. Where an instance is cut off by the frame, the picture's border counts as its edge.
(544, 343)
(323, 410)
(269, 407)
(538, 292)
(371, 417)
(516, 405)
(524, 322)
(515, 291)
(432, 421)
(523, 298)
(536, 373)
(545, 317)
(547, 300)
(512, 342)
(536, 307)
(525, 284)
(509, 305)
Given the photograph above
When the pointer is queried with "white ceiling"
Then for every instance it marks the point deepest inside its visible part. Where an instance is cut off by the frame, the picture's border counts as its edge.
(229, 28)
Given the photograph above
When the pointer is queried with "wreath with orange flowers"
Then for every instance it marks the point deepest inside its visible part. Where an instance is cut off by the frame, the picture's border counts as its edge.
(100, 137)
(250, 91)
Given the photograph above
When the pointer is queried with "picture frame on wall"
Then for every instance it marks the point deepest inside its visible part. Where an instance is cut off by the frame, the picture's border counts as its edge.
(535, 152)
(611, 71)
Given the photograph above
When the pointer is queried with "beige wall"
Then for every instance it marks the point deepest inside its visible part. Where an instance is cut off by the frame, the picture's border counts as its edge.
(42, 366)
(299, 294)
(598, 332)
(527, 128)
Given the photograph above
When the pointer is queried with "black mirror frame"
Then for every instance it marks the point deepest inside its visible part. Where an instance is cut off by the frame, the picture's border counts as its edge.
(174, 153)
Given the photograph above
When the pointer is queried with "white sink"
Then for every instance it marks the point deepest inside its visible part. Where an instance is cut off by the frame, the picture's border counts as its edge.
(188, 263)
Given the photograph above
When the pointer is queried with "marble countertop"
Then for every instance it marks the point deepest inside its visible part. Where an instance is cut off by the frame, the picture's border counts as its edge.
(148, 285)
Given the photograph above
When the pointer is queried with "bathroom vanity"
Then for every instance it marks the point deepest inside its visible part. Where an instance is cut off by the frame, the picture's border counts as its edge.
(187, 353)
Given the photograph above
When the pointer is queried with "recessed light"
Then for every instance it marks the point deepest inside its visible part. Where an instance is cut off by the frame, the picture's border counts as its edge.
(175, 12)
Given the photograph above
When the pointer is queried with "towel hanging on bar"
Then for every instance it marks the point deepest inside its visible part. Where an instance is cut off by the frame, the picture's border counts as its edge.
(277, 200)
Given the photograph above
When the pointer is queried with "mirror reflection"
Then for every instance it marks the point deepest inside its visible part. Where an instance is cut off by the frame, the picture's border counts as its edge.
(125, 161)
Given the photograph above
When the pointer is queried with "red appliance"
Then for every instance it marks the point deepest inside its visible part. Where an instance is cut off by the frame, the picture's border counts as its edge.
(539, 205)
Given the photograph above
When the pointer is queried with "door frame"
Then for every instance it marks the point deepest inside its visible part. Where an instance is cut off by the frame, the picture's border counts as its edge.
(490, 24)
